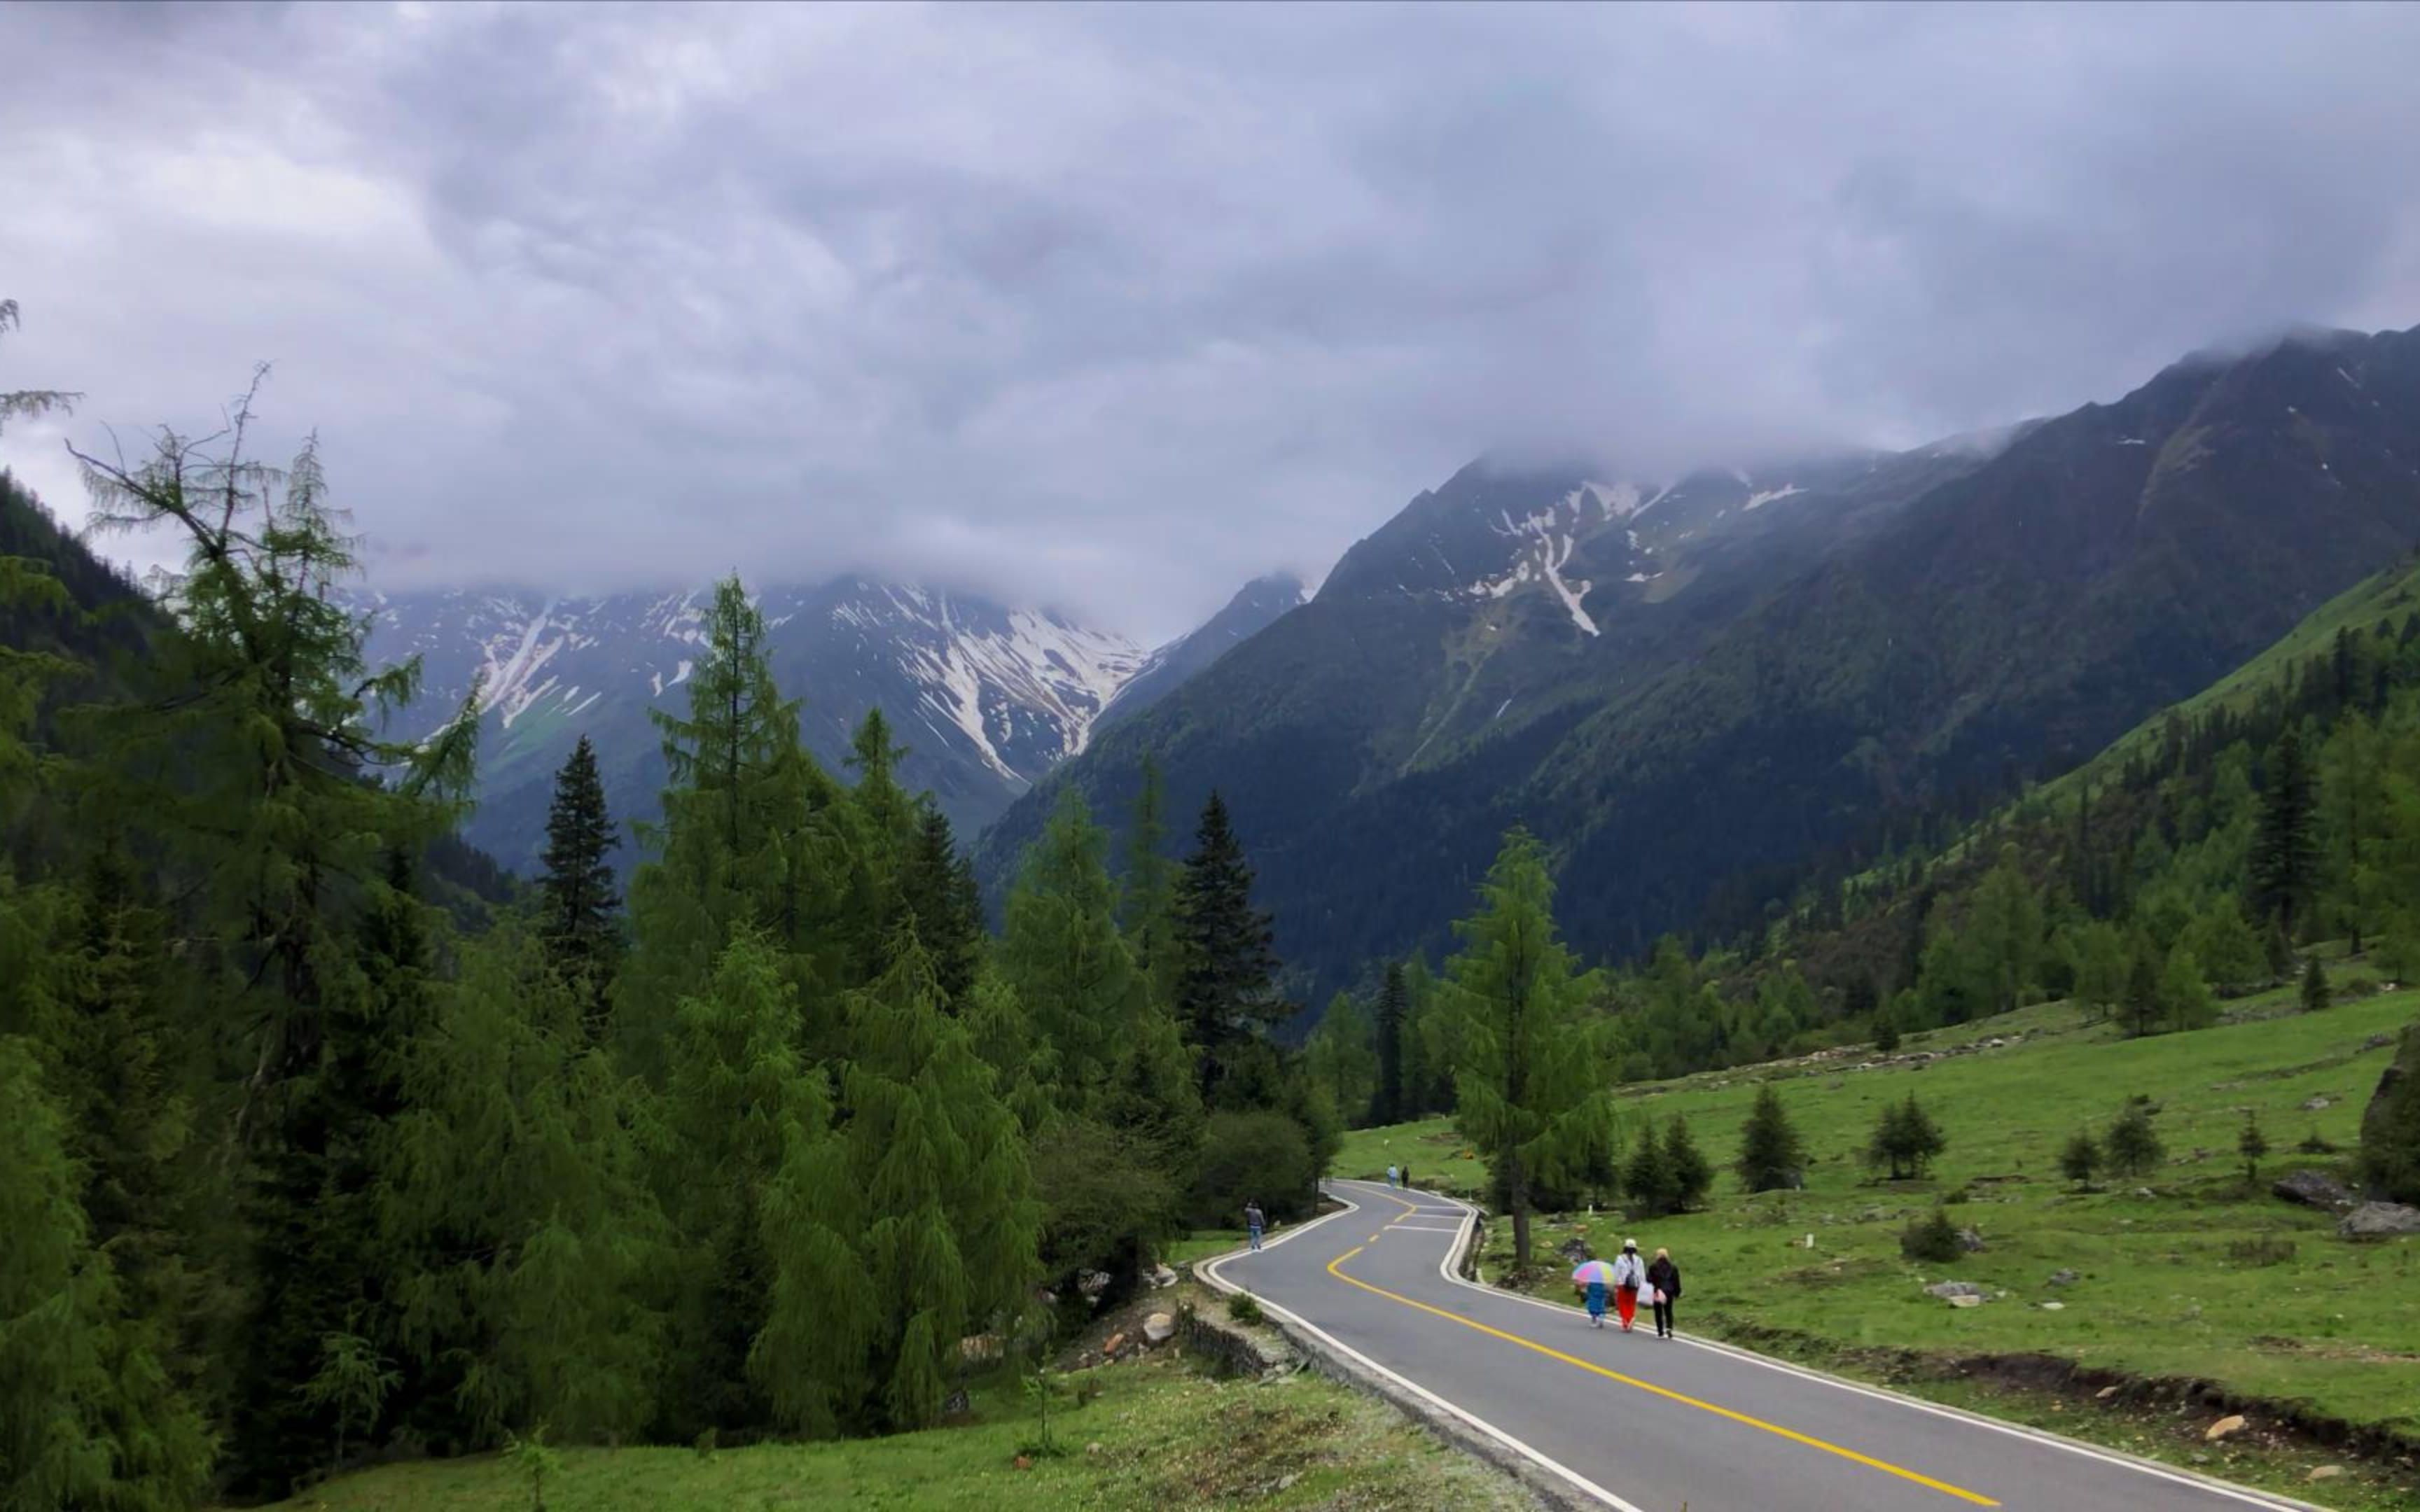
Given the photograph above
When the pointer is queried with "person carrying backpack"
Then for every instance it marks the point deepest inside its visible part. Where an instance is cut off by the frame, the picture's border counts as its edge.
(1629, 1275)
(1664, 1290)
(1252, 1222)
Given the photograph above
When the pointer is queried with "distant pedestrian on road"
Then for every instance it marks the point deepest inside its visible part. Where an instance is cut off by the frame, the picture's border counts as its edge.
(1628, 1276)
(1595, 1292)
(1391, 1176)
(1253, 1221)
(1664, 1290)
(1407, 1178)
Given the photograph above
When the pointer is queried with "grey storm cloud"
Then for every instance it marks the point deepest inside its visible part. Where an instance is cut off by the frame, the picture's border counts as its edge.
(1116, 306)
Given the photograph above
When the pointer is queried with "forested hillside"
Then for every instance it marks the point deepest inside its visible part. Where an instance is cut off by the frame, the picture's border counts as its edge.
(300, 1169)
(1758, 696)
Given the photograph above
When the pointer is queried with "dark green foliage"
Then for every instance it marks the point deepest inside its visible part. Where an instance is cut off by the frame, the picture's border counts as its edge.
(577, 896)
(1394, 1006)
(1772, 1157)
(2251, 1145)
(2390, 1129)
(1906, 1140)
(2132, 1145)
(2079, 1161)
(2285, 855)
(1340, 1060)
(1108, 1201)
(1527, 1092)
(937, 887)
(1932, 1239)
(1245, 1308)
(86, 1415)
(1886, 1030)
(1251, 1157)
(1226, 984)
(2315, 993)
(1147, 895)
(1666, 1174)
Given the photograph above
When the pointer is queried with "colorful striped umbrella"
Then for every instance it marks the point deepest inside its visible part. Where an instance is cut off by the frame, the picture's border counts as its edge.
(1593, 1271)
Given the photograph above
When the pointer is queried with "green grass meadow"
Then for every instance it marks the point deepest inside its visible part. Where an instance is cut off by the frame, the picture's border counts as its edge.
(2191, 1281)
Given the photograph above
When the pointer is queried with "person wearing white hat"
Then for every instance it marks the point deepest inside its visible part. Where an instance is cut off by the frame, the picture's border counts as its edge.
(1629, 1274)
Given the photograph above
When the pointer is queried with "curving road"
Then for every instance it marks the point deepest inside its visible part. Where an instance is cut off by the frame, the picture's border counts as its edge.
(1645, 1425)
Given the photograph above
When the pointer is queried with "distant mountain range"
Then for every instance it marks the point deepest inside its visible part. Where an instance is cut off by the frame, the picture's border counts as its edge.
(988, 698)
(1696, 687)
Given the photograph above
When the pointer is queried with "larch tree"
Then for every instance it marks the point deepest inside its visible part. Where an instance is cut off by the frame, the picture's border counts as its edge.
(950, 1222)
(751, 839)
(1394, 1009)
(1526, 1088)
(1063, 954)
(1339, 1057)
(1147, 891)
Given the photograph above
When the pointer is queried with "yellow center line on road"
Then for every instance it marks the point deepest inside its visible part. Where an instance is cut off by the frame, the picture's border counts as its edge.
(1578, 1364)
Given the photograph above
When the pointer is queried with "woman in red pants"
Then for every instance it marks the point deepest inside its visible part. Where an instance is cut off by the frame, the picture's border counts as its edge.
(1628, 1276)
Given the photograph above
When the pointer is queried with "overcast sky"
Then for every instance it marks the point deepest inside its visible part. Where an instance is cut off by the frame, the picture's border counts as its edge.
(1118, 306)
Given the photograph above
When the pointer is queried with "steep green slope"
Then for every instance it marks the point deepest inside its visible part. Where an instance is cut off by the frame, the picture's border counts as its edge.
(1837, 664)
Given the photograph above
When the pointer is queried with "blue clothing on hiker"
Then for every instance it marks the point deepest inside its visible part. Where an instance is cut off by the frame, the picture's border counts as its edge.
(1596, 1299)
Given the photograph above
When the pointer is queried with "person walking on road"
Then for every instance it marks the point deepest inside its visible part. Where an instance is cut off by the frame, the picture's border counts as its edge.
(1662, 1290)
(1253, 1221)
(1596, 1293)
(1407, 1176)
(1391, 1176)
(1628, 1276)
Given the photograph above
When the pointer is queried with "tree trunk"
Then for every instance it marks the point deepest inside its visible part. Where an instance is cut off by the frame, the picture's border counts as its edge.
(1517, 1186)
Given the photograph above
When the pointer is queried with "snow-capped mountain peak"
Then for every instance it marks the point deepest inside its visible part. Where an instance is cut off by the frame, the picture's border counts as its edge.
(986, 697)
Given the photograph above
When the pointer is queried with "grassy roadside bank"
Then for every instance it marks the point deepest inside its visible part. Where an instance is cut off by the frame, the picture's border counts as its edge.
(1155, 1432)
(2188, 1274)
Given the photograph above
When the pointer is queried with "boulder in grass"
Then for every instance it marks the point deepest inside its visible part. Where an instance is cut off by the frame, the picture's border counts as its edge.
(2314, 1189)
(2063, 1278)
(2380, 1220)
(2225, 1428)
(1952, 1290)
(1159, 1328)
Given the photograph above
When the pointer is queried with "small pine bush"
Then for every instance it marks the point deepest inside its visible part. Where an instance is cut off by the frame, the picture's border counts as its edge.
(1933, 1238)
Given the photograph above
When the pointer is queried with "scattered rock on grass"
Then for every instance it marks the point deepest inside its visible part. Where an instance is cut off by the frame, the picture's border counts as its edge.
(2063, 1278)
(2380, 1220)
(2325, 1473)
(2313, 1189)
(1965, 1301)
(2053, 1306)
(2225, 1428)
(2314, 1104)
(1159, 1328)
(1971, 1240)
(1954, 1290)
(2105, 1393)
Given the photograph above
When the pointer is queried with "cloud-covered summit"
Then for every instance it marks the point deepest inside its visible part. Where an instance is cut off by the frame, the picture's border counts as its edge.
(1118, 306)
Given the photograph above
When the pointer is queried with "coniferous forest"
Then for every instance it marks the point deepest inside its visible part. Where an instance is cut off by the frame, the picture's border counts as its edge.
(321, 1141)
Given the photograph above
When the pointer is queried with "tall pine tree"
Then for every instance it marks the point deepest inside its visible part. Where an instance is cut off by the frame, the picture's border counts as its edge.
(2285, 854)
(1226, 987)
(578, 900)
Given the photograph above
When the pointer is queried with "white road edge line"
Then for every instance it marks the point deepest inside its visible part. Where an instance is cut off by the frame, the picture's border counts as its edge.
(1208, 1270)
(2250, 1498)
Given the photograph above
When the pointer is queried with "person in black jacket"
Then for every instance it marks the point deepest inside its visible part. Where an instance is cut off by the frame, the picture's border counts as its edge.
(1665, 1277)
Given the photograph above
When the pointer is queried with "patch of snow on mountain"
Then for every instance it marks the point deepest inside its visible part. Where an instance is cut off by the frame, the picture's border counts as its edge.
(1620, 501)
(1770, 495)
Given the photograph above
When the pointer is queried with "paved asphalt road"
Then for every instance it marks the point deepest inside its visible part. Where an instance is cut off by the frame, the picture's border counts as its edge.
(1652, 1425)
